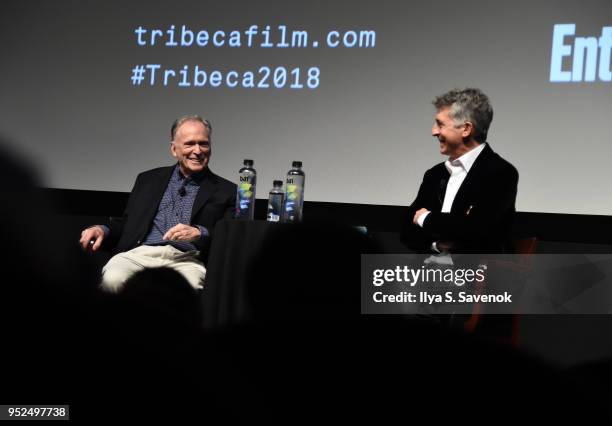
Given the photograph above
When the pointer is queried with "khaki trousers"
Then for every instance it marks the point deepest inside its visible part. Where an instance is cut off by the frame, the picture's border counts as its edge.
(123, 265)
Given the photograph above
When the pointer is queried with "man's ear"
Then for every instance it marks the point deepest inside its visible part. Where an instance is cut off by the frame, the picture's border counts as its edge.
(172, 149)
(468, 129)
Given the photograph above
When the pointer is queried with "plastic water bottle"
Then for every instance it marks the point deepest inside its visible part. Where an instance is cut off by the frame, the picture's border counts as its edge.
(275, 202)
(294, 193)
(245, 198)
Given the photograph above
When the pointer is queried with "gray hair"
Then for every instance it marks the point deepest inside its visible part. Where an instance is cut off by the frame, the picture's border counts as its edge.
(179, 122)
(469, 104)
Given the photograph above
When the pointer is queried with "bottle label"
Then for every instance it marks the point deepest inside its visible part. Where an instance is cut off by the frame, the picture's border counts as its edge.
(245, 190)
(245, 198)
(294, 193)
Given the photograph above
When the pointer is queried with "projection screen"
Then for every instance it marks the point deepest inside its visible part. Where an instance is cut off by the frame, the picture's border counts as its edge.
(89, 90)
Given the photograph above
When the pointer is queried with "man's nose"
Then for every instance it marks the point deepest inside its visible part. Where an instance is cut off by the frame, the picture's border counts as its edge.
(435, 131)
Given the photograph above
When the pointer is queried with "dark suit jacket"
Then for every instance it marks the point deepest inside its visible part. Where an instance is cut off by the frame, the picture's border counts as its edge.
(215, 200)
(482, 213)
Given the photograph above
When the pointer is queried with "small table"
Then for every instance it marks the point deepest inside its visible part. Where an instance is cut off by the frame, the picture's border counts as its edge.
(235, 243)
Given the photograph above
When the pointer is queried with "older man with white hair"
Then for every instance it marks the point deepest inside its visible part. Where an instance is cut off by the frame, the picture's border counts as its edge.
(170, 213)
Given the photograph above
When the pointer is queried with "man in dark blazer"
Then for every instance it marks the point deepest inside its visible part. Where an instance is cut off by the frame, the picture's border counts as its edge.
(467, 203)
(170, 214)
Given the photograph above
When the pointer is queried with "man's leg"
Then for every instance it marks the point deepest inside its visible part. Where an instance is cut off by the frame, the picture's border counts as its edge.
(188, 265)
(123, 265)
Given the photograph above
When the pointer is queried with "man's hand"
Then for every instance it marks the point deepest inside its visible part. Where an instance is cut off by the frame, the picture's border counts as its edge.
(418, 213)
(183, 232)
(95, 234)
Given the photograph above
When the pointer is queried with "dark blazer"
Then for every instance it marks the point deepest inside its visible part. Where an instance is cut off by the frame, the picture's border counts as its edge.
(215, 200)
(482, 213)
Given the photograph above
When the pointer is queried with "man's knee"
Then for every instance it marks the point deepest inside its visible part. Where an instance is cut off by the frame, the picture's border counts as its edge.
(113, 279)
(116, 272)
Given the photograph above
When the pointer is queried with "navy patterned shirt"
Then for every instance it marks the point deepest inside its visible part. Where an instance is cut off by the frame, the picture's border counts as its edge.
(175, 207)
